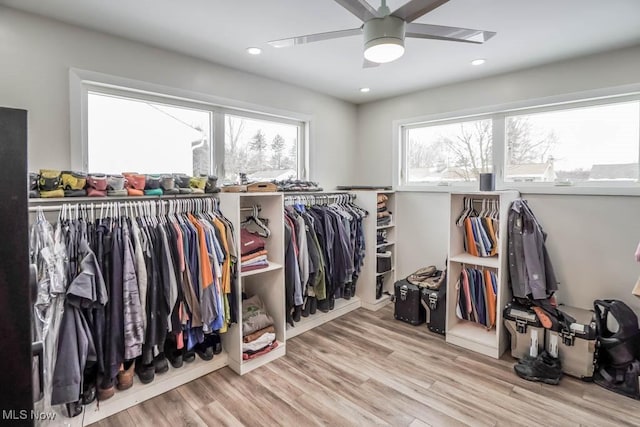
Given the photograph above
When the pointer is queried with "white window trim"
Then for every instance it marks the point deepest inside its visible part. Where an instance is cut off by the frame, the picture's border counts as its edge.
(81, 82)
(498, 114)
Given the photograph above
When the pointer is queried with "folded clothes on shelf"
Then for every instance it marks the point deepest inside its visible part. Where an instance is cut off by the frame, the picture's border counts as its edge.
(297, 185)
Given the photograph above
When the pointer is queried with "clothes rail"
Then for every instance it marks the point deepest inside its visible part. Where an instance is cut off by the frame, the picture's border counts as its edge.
(173, 204)
(319, 199)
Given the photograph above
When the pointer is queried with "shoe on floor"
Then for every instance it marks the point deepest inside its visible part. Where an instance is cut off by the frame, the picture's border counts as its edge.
(544, 368)
(146, 373)
(204, 349)
(216, 343)
(125, 374)
(106, 392)
(173, 354)
(188, 355)
(160, 364)
(73, 409)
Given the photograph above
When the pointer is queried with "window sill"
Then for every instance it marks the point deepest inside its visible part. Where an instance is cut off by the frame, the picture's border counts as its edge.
(632, 190)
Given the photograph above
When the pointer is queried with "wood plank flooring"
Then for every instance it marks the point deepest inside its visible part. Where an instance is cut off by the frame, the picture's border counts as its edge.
(366, 368)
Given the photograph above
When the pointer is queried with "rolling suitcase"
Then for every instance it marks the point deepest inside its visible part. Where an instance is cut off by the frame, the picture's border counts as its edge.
(407, 303)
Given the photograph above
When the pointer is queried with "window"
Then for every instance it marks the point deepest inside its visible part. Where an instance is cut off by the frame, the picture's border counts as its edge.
(120, 125)
(574, 145)
(449, 153)
(134, 135)
(587, 143)
(264, 150)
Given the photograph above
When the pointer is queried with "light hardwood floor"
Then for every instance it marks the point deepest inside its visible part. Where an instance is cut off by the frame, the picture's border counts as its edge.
(366, 368)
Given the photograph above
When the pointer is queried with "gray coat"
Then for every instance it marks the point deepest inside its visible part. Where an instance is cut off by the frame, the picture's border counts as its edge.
(133, 314)
(530, 268)
(75, 344)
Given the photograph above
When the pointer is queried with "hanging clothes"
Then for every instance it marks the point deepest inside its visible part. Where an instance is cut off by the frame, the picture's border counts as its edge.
(48, 253)
(480, 227)
(324, 252)
(477, 296)
(138, 279)
(531, 273)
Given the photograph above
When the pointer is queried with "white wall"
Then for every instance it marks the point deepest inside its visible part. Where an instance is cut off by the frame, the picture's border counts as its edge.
(592, 239)
(37, 53)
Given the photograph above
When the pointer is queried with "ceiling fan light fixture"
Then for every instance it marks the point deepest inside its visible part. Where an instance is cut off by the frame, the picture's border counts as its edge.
(478, 61)
(365, 89)
(254, 50)
(384, 39)
(383, 50)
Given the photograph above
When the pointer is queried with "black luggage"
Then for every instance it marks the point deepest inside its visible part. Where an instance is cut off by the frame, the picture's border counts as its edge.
(407, 303)
(434, 302)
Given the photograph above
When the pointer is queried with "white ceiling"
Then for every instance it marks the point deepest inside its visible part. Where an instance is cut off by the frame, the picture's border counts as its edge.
(529, 33)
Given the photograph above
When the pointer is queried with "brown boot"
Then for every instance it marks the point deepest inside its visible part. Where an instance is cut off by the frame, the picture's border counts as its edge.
(125, 375)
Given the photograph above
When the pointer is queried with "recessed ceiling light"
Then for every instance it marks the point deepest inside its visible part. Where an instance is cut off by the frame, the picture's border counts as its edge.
(478, 62)
(365, 89)
(254, 50)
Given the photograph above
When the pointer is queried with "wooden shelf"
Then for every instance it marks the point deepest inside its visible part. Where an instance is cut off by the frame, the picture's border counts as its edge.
(474, 337)
(246, 366)
(385, 244)
(377, 304)
(272, 266)
(465, 258)
(385, 272)
(162, 383)
(305, 324)
(382, 227)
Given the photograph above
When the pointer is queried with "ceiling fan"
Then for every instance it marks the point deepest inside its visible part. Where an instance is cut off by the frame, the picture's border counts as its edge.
(384, 31)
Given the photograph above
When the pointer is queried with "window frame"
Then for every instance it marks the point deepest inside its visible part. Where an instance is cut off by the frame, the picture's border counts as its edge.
(498, 115)
(81, 82)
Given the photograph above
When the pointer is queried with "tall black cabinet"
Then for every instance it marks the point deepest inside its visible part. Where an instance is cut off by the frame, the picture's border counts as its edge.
(16, 396)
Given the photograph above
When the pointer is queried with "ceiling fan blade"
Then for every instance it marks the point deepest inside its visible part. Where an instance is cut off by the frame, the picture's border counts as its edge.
(310, 38)
(360, 8)
(416, 8)
(369, 64)
(439, 32)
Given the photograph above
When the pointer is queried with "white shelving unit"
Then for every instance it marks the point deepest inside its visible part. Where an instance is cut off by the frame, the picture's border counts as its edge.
(140, 392)
(460, 332)
(366, 287)
(305, 324)
(268, 282)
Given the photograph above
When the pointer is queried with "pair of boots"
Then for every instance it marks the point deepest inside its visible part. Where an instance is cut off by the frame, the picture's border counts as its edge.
(543, 368)
(310, 307)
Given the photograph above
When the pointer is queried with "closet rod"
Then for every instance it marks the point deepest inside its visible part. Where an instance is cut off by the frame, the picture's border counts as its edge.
(96, 202)
(250, 209)
(290, 196)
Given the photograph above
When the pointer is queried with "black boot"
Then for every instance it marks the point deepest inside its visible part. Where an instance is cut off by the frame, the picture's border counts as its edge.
(313, 305)
(379, 281)
(347, 293)
(74, 409)
(323, 305)
(306, 307)
(297, 311)
(89, 383)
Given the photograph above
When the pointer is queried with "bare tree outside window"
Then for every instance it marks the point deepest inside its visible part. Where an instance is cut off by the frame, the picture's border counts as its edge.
(264, 150)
